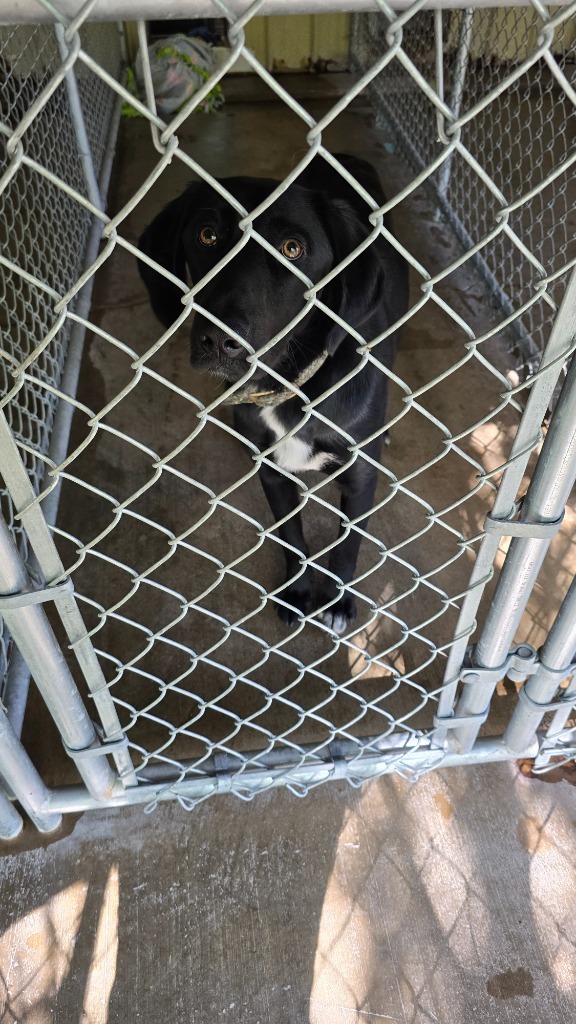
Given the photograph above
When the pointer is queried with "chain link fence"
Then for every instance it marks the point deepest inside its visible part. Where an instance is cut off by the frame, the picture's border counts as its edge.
(517, 127)
(40, 220)
(170, 632)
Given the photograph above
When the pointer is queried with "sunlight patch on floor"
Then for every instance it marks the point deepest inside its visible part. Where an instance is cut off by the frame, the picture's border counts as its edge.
(37, 954)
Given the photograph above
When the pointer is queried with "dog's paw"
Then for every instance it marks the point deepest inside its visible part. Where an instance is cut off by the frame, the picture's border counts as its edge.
(297, 601)
(340, 614)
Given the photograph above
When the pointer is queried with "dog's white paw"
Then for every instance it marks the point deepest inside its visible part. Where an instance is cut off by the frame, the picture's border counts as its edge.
(334, 620)
(340, 613)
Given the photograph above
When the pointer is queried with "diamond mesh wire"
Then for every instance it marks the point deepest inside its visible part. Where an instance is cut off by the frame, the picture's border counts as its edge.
(175, 567)
(522, 138)
(39, 220)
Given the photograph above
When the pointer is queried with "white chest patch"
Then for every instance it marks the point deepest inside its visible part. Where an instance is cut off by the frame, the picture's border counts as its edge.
(292, 454)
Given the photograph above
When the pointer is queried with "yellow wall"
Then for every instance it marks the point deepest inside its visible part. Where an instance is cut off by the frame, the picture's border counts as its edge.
(291, 40)
(509, 33)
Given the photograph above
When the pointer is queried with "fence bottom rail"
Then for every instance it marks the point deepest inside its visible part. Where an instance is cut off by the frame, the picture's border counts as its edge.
(411, 761)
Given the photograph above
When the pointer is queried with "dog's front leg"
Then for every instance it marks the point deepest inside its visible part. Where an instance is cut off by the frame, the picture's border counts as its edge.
(283, 497)
(358, 486)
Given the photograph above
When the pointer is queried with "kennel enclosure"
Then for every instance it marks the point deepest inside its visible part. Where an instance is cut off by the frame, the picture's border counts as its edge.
(138, 569)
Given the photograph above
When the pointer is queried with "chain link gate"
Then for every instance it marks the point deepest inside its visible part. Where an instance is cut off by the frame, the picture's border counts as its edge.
(199, 700)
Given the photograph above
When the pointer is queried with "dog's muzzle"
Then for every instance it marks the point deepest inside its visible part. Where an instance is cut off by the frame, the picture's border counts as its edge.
(251, 393)
(213, 349)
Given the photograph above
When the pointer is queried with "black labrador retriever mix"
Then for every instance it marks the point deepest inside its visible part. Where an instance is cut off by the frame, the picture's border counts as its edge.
(314, 225)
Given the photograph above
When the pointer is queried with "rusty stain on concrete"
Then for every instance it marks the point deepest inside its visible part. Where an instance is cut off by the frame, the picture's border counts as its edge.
(444, 806)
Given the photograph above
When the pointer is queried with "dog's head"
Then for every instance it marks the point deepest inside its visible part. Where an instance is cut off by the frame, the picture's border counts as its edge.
(256, 295)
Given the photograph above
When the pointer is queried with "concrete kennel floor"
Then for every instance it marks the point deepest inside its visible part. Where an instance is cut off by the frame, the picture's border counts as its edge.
(451, 901)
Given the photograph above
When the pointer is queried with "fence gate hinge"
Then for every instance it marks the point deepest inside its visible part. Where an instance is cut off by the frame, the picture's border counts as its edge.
(522, 662)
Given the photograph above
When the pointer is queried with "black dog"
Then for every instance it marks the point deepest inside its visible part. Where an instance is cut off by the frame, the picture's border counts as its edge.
(314, 225)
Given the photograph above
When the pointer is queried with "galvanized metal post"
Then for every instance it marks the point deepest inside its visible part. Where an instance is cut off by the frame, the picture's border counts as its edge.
(543, 506)
(84, 151)
(21, 776)
(11, 823)
(559, 345)
(18, 677)
(32, 633)
(558, 741)
(555, 665)
(47, 557)
(459, 80)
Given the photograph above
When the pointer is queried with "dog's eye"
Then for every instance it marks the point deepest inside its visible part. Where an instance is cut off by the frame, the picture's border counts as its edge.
(292, 249)
(207, 236)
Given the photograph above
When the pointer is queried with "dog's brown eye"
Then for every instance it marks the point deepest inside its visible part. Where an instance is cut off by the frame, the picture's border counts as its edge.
(207, 236)
(292, 249)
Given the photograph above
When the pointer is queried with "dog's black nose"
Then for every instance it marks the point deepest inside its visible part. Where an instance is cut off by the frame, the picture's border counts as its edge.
(224, 348)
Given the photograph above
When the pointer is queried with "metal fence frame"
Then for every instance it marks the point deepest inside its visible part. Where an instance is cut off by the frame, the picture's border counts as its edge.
(101, 753)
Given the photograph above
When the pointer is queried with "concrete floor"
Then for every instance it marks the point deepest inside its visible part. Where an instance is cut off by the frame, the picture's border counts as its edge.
(450, 901)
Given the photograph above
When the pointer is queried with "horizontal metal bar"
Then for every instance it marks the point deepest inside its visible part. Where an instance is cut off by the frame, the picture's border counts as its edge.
(416, 761)
(30, 12)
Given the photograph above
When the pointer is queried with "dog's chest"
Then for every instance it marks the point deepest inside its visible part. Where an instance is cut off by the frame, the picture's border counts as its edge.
(292, 454)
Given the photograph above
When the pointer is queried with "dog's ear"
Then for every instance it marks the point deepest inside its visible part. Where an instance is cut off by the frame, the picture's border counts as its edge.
(358, 290)
(162, 242)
